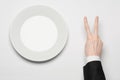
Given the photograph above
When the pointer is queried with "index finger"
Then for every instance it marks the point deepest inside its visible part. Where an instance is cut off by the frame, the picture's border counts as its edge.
(86, 25)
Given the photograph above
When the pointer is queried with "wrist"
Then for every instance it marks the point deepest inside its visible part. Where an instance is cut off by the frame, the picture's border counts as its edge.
(92, 58)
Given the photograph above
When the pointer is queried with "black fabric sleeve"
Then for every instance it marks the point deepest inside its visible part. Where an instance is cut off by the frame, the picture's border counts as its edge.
(93, 71)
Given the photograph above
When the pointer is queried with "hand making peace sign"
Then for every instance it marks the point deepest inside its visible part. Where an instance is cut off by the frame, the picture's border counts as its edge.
(94, 44)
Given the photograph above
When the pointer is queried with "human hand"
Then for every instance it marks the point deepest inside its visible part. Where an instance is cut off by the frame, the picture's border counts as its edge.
(93, 46)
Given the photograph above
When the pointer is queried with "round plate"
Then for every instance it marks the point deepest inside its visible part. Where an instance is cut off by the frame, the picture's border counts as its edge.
(38, 11)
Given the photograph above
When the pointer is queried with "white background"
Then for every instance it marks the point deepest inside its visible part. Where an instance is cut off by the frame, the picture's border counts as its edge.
(69, 64)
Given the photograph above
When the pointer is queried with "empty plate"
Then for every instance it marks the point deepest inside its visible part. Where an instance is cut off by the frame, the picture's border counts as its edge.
(38, 33)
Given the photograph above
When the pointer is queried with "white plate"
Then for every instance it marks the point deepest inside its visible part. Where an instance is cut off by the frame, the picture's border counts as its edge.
(38, 11)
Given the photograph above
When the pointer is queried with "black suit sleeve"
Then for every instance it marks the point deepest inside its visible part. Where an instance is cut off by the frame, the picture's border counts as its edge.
(93, 71)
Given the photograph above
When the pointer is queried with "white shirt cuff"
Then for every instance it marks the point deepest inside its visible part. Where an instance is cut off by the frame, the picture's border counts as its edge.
(92, 58)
